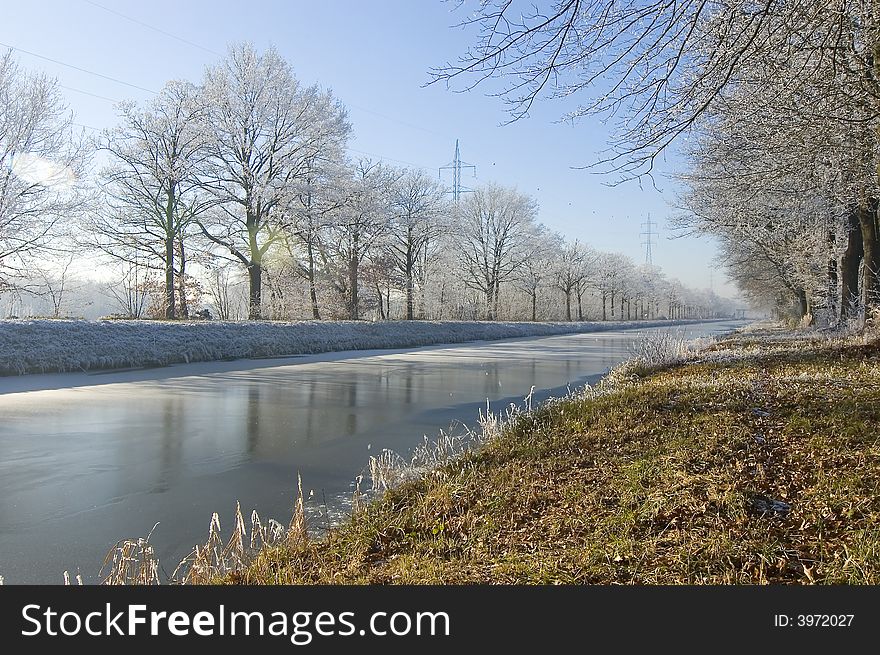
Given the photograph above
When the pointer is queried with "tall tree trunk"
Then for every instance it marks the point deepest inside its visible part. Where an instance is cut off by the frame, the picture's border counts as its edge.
(254, 268)
(423, 282)
(831, 277)
(170, 234)
(313, 291)
(803, 306)
(381, 304)
(442, 299)
(181, 282)
(169, 277)
(604, 313)
(850, 264)
(353, 277)
(255, 291)
(410, 291)
(871, 249)
(580, 297)
(409, 272)
(568, 305)
(534, 305)
(868, 219)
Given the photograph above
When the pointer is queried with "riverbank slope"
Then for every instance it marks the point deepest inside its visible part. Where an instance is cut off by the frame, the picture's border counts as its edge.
(49, 346)
(755, 461)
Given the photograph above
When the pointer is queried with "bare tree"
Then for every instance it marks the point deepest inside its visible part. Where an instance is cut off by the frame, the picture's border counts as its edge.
(656, 65)
(224, 290)
(381, 274)
(570, 272)
(661, 68)
(131, 292)
(537, 266)
(493, 226)
(154, 195)
(55, 284)
(609, 277)
(359, 228)
(263, 129)
(42, 166)
(749, 186)
(417, 206)
(318, 199)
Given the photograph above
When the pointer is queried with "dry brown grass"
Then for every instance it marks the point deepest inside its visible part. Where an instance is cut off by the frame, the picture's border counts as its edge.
(665, 480)
(135, 562)
(129, 562)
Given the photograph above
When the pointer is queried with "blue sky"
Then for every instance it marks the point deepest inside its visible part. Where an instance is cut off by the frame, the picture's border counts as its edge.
(375, 56)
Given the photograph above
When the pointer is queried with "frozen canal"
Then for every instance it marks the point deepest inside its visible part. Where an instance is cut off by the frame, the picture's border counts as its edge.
(87, 459)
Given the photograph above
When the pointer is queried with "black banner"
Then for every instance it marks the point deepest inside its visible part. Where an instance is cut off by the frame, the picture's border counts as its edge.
(431, 619)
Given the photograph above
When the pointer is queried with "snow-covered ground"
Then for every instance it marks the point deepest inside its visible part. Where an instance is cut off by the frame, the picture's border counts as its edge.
(42, 346)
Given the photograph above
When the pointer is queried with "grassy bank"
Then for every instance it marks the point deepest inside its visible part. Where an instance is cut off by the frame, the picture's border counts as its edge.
(49, 346)
(756, 462)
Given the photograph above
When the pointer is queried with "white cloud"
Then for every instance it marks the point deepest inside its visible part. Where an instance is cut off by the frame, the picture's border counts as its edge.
(35, 169)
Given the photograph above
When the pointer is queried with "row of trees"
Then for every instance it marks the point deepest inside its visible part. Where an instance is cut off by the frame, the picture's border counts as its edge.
(472, 270)
(784, 167)
(776, 105)
(246, 176)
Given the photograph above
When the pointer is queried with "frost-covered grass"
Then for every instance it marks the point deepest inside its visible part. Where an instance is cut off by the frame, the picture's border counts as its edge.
(657, 351)
(44, 346)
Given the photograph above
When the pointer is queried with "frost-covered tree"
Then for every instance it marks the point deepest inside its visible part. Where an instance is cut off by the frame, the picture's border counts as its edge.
(42, 168)
(648, 280)
(358, 229)
(130, 291)
(418, 210)
(662, 68)
(225, 292)
(317, 200)
(656, 66)
(772, 179)
(608, 276)
(536, 271)
(263, 128)
(492, 232)
(570, 271)
(151, 187)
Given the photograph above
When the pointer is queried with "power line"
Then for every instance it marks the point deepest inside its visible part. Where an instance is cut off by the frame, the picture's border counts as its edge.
(88, 93)
(362, 152)
(399, 161)
(141, 88)
(396, 120)
(151, 27)
(82, 70)
(88, 127)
